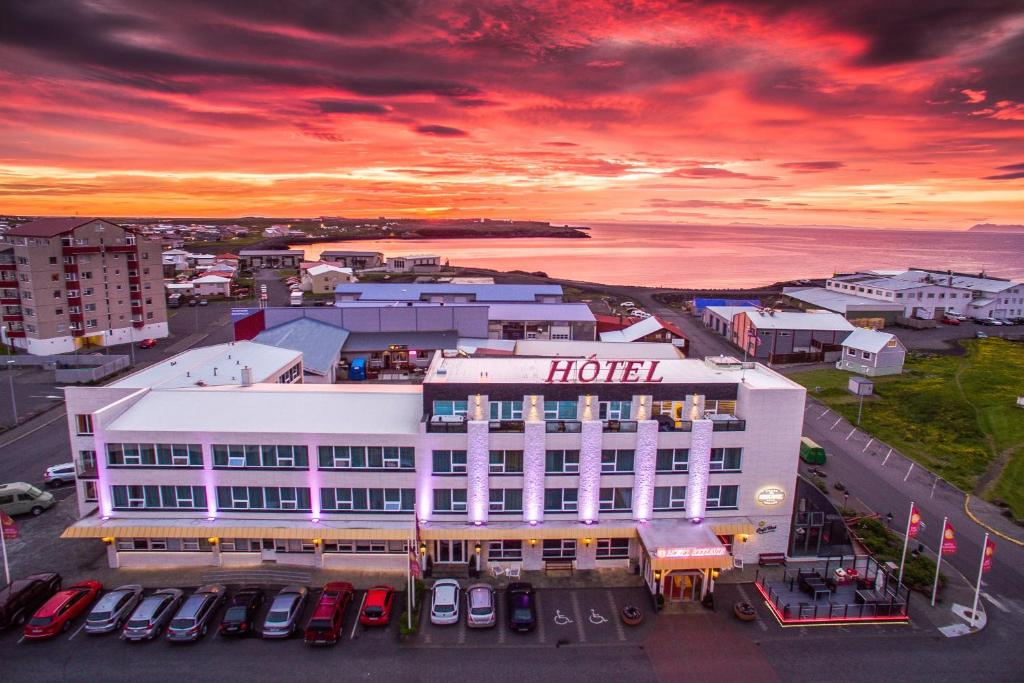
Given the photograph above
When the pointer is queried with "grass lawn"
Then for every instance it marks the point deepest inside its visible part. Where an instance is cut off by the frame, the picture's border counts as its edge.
(957, 415)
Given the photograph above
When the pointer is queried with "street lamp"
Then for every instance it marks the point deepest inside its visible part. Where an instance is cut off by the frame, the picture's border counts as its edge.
(14, 400)
(888, 520)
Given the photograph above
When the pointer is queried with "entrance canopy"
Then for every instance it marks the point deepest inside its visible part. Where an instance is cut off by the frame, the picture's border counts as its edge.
(680, 544)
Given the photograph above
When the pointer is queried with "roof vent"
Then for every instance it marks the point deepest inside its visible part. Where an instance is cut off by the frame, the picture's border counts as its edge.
(246, 376)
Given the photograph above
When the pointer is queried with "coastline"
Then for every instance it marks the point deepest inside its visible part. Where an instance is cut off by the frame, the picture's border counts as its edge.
(470, 231)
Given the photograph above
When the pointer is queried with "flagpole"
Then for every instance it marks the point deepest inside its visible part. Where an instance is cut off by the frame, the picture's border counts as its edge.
(977, 586)
(938, 560)
(906, 542)
(3, 544)
(408, 581)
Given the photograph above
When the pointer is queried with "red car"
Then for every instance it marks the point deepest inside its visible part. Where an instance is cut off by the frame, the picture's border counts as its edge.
(377, 608)
(64, 607)
(147, 343)
(329, 615)
(950, 321)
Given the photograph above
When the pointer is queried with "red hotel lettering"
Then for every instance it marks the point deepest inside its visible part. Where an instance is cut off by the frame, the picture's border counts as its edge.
(594, 368)
(650, 373)
(557, 367)
(588, 371)
(631, 371)
(612, 367)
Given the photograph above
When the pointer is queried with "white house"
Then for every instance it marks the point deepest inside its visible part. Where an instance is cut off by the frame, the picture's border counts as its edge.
(719, 318)
(212, 285)
(416, 263)
(872, 353)
(177, 258)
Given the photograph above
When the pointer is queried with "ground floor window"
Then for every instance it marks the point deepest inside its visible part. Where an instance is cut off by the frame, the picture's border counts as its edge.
(293, 545)
(389, 547)
(163, 544)
(505, 550)
(559, 549)
(612, 548)
(240, 545)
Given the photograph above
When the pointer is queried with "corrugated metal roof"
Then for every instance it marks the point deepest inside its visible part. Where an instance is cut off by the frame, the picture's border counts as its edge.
(789, 320)
(540, 312)
(839, 302)
(318, 342)
(872, 341)
(378, 341)
(378, 291)
(51, 227)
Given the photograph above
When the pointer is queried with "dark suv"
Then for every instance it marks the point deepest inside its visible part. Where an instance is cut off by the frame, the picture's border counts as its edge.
(522, 607)
(21, 598)
(240, 616)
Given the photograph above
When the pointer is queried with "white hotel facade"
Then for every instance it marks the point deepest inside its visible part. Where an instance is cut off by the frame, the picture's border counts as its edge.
(677, 468)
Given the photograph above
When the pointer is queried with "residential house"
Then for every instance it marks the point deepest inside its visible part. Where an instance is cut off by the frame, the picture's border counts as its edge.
(872, 353)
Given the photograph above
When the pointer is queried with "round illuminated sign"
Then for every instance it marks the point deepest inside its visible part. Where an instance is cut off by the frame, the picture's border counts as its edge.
(771, 496)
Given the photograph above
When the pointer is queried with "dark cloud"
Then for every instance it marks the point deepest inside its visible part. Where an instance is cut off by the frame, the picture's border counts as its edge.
(441, 131)
(812, 166)
(1011, 167)
(1016, 172)
(559, 143)
(349, 107)
(712, 172)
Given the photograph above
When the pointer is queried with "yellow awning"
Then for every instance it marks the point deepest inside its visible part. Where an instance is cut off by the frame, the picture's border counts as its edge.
(711, 562)
(733, 529)
(301, 533)
(485, 533)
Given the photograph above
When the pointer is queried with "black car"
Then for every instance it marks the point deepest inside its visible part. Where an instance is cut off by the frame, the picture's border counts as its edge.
(522, 608)
(21, 598)
(193, 302)
(240, 616)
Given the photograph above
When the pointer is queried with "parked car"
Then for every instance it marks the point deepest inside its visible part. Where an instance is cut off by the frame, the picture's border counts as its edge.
(377, 606)
(328, 618)
(950, 321)
(444, 602)
(1006, 321)
(282, 621)
(22, 597)
(152, 614)
(58, 475)
(480, 608)
(112, 610)
(147, 343)
(240, 617)
(57, 614)
(980, 335)
(193, 302)
(522, 607)
(627, 304)
(192, 619)
(19, 498)
(988, 321)
(204, 302)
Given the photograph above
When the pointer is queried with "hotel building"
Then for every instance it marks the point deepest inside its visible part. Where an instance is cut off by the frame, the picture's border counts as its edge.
(67, 282)
(675, 468)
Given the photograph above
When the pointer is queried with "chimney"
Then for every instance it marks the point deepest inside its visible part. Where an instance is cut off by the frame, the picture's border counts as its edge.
(215, 372)
(246, 376)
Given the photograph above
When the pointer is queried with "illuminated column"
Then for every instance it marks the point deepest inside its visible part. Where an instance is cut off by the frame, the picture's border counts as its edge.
(209, 481)
(314, 480)
(477, 467)
(699, 467)
(424, 481)
(533, 471)
(99, 447)
(590, 471)
(644, 466)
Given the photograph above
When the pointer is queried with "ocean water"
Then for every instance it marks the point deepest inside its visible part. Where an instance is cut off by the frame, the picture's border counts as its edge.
(717, 256)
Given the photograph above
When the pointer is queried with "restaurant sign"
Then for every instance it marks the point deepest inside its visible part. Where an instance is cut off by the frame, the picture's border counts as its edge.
(680, 553)
(574, 371)
(771, 496)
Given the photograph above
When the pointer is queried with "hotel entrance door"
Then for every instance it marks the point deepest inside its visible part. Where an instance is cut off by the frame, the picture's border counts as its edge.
(450, 552)
(684, 586)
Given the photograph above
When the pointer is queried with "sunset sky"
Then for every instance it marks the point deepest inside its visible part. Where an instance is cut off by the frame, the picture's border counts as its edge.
(906, 113)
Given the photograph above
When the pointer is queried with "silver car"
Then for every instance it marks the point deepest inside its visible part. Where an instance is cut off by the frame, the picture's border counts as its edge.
(112, 610)
(152, 615)
(193, 617)
(480, 609)
(282, 621)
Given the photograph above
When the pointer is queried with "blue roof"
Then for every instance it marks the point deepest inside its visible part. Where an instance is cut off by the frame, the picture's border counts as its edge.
(400, 291)
(319, 342)
(700, 304)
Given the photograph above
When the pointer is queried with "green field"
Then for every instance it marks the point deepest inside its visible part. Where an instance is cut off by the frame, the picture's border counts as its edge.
(957, 415)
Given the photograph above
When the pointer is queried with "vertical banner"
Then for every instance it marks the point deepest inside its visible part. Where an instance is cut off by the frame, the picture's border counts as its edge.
(990, 550)
(915, 522)
(948, 539)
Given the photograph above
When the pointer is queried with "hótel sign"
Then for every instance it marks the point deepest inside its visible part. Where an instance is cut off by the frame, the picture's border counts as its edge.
(675, 553)
(573, 371)
(771, 496)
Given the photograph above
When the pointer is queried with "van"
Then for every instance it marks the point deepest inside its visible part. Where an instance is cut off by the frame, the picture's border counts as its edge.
(19, 498)
(811, 452)
(295, 299)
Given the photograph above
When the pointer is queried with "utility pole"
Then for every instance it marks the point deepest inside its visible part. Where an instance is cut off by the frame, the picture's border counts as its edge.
(14, 400)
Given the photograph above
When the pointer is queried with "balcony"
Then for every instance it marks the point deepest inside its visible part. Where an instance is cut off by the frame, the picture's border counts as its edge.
(563, 426)
(506, 426)
(667, 424)
(727, 423)
(619, 425)
(446, 424)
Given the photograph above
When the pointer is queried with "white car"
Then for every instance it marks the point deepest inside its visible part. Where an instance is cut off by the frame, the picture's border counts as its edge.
(58, 475)
(444, 602)
(627, 304)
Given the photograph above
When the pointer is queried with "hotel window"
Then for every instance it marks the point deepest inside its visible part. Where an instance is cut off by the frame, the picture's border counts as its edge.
(291, 375)
(612, 548)
(272, 457)
(559, 549)
(672, 460)
(90, 492)
(561, 462)
(722, 497)
(504, 550)
(720, 407)
(367, 500)
(367, 457)
(560, 500)
(560, 410)
(159, 497)
(614, 410)
(506, 500)
(449, 462)
(293, 545)
(669, 497)
(154, 455)
(617, 461)
(449, 500)
(450, 408)
(616, 499)
(269, 498)
(506, 462)
(506, 410)
(83, 425)
(726, 459)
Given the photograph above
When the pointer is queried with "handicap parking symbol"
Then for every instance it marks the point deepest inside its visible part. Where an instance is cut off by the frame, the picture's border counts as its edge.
(561, 619)
(596, 618)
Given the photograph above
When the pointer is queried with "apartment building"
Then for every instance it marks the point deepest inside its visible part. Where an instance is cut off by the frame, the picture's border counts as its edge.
(678, 468)
(357, 260)
(68, 282)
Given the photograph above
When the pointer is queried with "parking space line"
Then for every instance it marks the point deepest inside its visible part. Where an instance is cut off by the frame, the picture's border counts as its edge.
(21, 640)
(356, 624)
(579, 616)
(77, 631)
(498, 606)
(462, 624)
(540, 618)
(621, 632)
